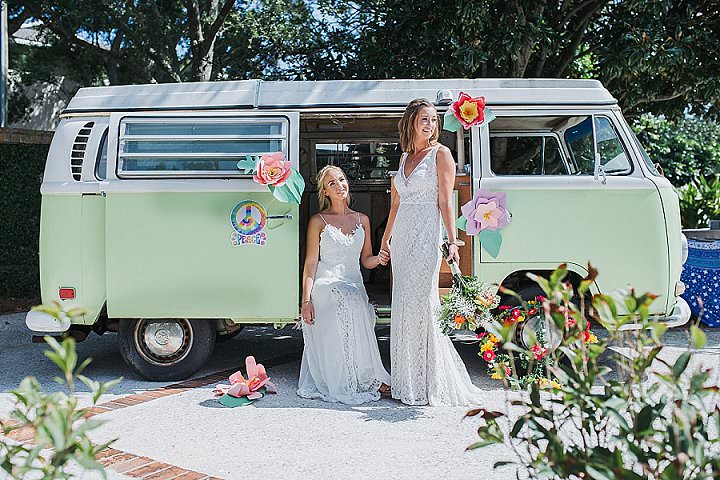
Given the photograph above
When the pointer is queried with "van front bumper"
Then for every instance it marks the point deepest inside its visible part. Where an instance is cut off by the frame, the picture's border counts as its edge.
(45, 323)
(679, 316)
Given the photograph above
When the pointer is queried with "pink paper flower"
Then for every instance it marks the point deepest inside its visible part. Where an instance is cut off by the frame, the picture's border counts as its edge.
(489, 355)
(468, 110)
(250, 387)
(272, 169)
(486, 211)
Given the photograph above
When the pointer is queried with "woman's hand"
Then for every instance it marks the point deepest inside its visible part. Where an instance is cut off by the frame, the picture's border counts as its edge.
(385, 247)
(454, 254)
(307, 313)
(383, 257)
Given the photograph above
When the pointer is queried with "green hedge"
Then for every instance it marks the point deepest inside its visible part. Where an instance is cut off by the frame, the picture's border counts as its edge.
(21, 171)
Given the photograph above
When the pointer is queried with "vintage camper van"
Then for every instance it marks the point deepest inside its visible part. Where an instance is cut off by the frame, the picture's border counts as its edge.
(141, 198)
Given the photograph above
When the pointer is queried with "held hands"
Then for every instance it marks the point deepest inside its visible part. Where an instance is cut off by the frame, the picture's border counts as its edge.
(383, 257)
(307, 313)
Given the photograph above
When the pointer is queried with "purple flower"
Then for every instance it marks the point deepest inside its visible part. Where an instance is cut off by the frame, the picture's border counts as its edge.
(486, 211)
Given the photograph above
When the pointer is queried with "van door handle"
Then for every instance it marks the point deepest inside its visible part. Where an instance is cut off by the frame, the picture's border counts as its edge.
(283, 220)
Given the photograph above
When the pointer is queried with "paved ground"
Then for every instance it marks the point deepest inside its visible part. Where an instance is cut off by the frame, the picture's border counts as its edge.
(183, 430)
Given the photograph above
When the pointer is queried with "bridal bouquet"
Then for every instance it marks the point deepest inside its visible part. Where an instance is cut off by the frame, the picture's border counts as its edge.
(468, 305)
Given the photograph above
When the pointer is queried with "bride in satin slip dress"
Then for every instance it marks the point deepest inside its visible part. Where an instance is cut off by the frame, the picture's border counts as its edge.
(426, 368)
(341, 360)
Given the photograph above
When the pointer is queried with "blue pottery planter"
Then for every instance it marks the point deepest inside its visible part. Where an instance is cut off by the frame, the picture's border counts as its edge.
(701, 275)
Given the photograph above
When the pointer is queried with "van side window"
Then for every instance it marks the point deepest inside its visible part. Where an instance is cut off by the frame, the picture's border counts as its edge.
(195, 146)
(613, 157)
(526, 155)
(101, 161)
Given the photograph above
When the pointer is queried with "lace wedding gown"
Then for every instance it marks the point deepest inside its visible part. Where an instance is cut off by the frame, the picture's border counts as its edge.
(341, 361)
(425, 367)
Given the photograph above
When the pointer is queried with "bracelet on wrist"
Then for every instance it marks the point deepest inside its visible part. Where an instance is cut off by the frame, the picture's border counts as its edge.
(306, 301)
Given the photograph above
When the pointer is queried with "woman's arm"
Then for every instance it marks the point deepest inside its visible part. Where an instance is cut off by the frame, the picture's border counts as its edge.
(312, 255)
(367, 259)
(446, 183)
(394, 204)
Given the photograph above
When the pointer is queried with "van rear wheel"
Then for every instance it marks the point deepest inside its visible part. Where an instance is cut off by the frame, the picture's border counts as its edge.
(166, 349)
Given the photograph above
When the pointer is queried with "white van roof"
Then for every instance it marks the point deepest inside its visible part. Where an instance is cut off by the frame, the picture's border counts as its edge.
(333, 93)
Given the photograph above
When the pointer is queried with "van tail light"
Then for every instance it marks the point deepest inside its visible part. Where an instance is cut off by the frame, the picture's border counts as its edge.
(67, 293)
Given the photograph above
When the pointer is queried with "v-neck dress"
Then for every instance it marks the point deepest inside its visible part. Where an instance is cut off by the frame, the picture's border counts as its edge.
(425, 367)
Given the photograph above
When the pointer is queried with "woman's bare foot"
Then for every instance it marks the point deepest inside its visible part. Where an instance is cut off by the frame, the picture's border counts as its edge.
(384, 390)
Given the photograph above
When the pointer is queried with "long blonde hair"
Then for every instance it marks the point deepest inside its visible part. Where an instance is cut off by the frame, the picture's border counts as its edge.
(406, 125)
(323, 200)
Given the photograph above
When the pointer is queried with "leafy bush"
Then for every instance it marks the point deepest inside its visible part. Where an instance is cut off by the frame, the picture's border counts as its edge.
(61, 429)
(684, 148)
(700, 202)
(649, 423)
(21, 170)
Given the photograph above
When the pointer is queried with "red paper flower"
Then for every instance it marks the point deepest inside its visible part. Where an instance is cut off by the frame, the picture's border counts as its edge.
(489, 356)
(468, 110)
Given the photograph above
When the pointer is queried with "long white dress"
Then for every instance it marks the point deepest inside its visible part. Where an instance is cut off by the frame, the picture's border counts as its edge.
(426, 368)
(341, 361)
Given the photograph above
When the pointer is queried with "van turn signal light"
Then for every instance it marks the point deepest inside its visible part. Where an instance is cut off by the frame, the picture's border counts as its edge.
(67, 293)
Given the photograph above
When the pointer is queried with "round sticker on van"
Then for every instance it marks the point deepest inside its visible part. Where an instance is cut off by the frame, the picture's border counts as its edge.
(248, 219)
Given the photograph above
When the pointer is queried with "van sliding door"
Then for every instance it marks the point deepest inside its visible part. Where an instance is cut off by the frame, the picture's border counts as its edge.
(189, 235)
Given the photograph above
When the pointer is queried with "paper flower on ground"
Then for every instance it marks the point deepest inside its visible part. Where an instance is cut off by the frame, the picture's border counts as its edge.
(272, 169)
(466, 112)
(242, 391)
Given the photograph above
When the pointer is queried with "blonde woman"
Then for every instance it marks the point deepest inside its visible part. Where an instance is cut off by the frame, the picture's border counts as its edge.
(426, 369)
(341, 361)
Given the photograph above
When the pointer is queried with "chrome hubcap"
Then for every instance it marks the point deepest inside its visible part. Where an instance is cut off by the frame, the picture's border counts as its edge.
(163, 342)
(542, 329)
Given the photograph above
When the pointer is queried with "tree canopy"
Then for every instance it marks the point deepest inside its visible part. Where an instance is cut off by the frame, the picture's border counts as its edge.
(657, 56)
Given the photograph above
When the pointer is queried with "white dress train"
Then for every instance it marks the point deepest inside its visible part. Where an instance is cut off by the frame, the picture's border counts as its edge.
(341, 361)
(426, 368)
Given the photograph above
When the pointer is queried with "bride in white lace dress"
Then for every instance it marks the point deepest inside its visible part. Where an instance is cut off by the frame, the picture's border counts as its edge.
(425, 367)
(341, 361)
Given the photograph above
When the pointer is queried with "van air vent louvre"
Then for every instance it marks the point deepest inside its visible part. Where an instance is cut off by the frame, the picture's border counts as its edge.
(78, 150)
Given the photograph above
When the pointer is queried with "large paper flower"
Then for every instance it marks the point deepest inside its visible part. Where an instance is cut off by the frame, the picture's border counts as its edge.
(486, 211)
(468, 110)
(272, 169)
(250, 388)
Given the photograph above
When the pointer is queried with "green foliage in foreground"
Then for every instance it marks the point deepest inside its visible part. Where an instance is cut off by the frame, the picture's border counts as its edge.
(61, 431)
(657, 421)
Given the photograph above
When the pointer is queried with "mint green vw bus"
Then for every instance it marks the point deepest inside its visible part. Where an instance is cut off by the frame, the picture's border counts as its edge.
(148, 224)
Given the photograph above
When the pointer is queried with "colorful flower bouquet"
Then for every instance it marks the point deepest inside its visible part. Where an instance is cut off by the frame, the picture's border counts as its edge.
(541, 337)
(468, 305)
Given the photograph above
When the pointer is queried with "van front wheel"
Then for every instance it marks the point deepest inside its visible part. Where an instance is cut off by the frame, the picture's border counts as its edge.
(166, 349)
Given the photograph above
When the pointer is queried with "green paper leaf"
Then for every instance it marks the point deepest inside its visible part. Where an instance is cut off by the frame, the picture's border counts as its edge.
(292, 190)
(249, 165)
(450, 122)
(461, 223)
(489, 116)
(491, 240)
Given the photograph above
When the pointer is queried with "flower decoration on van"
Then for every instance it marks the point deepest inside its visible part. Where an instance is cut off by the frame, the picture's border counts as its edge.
(467, 112)
(485, 215)
(242, 391)
(271, 169)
